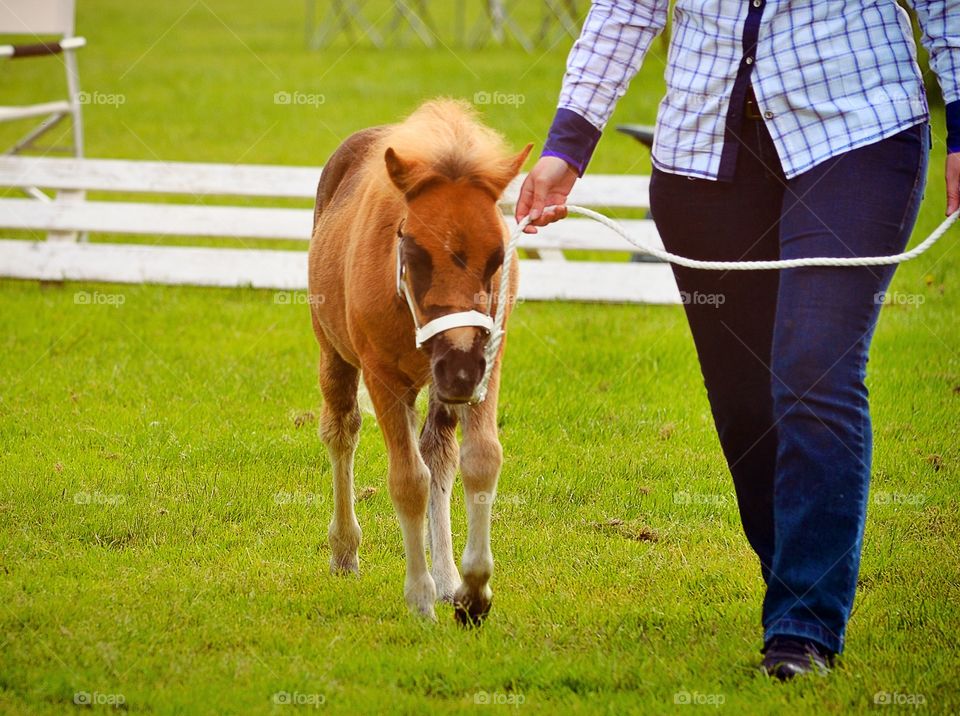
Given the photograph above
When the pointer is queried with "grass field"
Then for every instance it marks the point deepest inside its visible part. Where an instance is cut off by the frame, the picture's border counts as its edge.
(164, 497)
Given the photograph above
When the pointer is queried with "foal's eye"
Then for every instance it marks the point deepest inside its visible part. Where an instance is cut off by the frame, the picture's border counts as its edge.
(419, 266)
(414, 255)
(493, 263)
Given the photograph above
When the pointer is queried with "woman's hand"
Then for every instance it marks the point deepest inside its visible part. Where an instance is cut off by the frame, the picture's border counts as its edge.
(953, 182)
(547, 185)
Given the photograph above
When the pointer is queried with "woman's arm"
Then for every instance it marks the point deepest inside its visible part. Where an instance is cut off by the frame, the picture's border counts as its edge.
(615, 38)
(940, 22)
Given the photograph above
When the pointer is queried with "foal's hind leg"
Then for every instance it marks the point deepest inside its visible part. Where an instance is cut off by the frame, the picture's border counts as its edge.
(438, 446)
(340, 430)
(480, 459)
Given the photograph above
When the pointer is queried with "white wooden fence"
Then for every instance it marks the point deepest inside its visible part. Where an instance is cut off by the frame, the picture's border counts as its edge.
(198, 210)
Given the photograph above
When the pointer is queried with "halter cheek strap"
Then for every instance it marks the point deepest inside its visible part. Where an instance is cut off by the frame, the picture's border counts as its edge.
(459, 319)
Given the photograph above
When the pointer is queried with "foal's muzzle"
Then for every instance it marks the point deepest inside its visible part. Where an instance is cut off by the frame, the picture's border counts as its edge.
(457, 372)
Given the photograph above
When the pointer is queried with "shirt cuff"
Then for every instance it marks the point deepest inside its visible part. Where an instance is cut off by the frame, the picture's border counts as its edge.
(572, 138)
(953, 126)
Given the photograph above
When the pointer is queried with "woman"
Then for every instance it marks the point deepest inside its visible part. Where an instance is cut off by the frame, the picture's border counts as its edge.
(789, 129)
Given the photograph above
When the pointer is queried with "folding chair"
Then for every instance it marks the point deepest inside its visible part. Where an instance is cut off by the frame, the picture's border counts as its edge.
(43, 18)
(342, 17)
(416, 14)
(39, 19)
(559, 12)
(497, 21)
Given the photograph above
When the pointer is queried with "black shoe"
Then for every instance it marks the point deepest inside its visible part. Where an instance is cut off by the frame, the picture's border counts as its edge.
(785, 657)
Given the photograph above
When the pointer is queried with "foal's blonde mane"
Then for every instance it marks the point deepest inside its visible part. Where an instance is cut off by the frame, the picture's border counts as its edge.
(444, 139)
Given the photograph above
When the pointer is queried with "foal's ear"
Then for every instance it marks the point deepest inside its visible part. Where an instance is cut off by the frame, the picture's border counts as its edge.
(510, 168)
(400, 171)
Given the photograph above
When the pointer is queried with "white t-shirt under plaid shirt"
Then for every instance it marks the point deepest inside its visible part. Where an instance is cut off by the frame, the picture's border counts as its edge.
(828, 75)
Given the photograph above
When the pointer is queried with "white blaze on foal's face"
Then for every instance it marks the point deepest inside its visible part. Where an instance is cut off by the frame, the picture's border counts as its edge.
(461, 339)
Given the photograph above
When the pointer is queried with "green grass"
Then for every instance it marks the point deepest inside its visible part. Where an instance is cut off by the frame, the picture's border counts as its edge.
(164, 497)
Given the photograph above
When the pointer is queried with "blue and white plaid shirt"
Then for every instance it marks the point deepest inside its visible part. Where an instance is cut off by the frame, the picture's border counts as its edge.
(828, 75)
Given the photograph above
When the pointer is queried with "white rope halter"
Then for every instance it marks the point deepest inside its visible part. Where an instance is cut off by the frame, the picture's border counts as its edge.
(495, 327)
(428, 330)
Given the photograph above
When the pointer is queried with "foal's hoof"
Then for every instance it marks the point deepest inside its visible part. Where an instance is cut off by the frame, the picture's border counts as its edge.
(345, 565)
(420, 594)
(470, 612)
(426, 613)
(447, 583)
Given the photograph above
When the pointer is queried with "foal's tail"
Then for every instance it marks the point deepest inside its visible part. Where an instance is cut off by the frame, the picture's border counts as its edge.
(364, 400)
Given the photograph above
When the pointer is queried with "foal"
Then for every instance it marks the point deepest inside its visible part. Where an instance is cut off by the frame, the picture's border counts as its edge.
(406, 231)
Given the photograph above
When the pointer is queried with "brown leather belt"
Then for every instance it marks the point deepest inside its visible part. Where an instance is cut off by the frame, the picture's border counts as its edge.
(750, 108)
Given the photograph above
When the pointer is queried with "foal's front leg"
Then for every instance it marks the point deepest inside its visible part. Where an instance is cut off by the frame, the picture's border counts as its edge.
(409, 481)
(480, 459)
(438, 447)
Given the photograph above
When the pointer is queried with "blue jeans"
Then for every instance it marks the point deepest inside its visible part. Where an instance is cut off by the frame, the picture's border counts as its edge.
(784, 353)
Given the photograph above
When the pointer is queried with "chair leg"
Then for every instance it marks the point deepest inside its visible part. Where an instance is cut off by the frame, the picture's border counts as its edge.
(418, 17)
(73, 87)
(25, 143)
(558, 12)
(76, 115)
(341, 18)
(500, 23)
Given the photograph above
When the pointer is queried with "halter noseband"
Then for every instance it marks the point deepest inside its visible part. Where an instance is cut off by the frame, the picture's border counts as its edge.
(458, 319)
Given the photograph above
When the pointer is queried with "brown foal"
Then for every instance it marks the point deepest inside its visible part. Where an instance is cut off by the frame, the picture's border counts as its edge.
(420, 195)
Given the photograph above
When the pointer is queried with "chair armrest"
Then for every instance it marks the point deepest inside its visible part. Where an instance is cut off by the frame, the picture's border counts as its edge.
(643, 133)
(41, 49)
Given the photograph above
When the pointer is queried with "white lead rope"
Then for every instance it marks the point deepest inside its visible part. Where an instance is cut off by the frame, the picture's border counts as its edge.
(765, 265)
(497, 332)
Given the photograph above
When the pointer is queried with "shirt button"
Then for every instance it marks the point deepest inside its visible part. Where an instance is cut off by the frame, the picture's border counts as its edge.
(757, 3)
(749, 60)
(768, 114)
